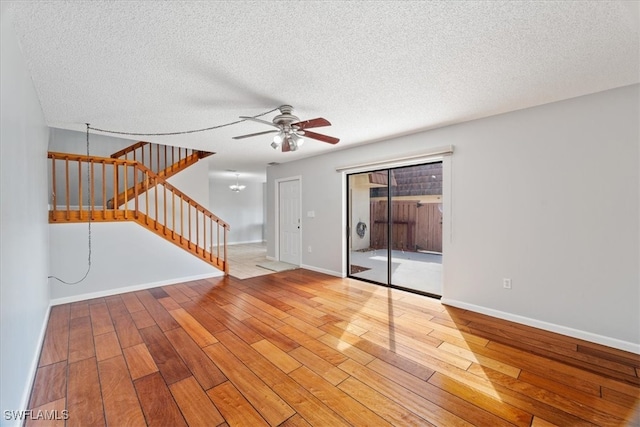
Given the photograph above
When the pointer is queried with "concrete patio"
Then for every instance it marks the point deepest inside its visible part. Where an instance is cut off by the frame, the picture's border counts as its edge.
(413, 270)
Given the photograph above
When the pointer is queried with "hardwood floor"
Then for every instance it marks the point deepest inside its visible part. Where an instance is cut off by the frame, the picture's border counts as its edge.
(302, 348)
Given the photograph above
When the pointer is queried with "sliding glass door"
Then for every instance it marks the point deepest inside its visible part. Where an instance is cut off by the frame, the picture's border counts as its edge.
(395, 227)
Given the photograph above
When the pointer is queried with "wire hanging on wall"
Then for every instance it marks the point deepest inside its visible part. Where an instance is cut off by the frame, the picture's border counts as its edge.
(89, 226)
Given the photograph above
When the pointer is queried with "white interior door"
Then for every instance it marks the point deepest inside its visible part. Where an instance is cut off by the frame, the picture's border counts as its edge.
(289, 221)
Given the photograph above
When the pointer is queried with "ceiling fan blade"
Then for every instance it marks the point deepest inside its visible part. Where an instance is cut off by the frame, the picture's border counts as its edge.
(253, 119)
(285, 145)
(254, 134)
(320, 137)
(313, 123)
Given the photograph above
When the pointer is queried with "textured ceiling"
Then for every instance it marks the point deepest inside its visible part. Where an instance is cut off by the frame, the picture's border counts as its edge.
(374, 69)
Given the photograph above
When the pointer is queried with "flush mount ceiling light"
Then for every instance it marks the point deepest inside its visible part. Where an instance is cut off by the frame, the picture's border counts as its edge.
(290, 130)
(237, 187)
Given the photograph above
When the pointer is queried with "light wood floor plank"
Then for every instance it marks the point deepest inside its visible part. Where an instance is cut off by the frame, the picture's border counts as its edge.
(121, 405)
(48, 415)
(101, 322)
(300, 399)
(127, 331)
(416, 404)
(50, 384)
(318, 365)
(322, 350)
(279, 358)
(295, 421)
(559, 389)
(450, 402)
(139, 361)
(347, 349)
(159, 314)
(160, 409)
(301, 348)
(235, 408)
(505, 411)
(164, 355)
(202, 368)
(352, 410)
(549, 398)
(195, 330)
(169, 303)
(55, 347)
(107, 346)
(84, 398)
(197, 408)
(380, 352)
(281, 340)
(132, 302)
(176, 293)
(142, 319)
(267, 403)
(391, 411)
(203, 317)
(480, 359)
(79, 309)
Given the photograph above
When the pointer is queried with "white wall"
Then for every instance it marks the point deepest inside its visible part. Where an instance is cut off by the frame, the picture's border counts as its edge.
(360, 212)
(562, 222)
(70, 141)
(244, 211)
(24, 235)
(124, 256)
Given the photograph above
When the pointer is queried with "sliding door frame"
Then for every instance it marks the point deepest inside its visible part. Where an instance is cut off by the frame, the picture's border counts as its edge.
(446, 220)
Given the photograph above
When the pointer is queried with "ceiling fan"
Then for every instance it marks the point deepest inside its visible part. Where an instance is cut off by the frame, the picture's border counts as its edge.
(290, 130)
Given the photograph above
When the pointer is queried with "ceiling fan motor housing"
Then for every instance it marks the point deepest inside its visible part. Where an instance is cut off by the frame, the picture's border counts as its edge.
(286, 117)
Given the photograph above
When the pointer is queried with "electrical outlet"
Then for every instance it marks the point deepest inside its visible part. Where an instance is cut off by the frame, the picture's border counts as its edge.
(309, 249)
(506, 283)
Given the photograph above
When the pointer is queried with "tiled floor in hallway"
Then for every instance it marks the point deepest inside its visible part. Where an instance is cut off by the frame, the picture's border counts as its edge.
(244, 260)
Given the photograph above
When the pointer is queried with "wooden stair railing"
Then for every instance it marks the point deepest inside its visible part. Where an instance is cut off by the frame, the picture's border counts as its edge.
(165, 161)
(88, 182)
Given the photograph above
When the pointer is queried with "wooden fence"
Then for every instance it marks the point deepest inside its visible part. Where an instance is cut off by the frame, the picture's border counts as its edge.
(414, 227)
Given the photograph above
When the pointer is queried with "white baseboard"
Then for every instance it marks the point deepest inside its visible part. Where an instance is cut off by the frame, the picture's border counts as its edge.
(245, 242)
(272, 258)
(109, 292)
(552, 327)
(321, 270)
(24, 402)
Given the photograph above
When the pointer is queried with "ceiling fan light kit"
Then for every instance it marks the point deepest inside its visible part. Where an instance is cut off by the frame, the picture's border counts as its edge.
(290, 130)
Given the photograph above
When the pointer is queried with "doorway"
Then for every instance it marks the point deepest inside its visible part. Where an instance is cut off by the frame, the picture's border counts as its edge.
(395, 227)
(289, 221)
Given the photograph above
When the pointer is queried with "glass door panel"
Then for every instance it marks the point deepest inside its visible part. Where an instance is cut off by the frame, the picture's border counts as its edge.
(368, 230)
(416, 228)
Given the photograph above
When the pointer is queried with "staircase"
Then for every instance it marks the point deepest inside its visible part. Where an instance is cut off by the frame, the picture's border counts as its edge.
(131, 185)
(165, 161)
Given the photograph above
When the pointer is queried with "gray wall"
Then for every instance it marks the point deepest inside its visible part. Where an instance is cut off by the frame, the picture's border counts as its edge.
(24, 241)
(547, 196)
(244, 211)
